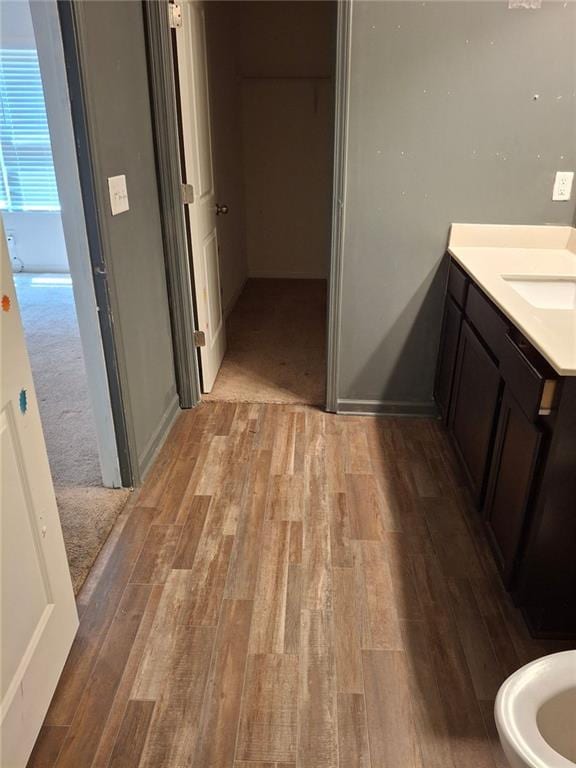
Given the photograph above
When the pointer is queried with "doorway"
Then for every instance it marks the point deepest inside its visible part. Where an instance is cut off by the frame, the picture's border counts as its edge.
(270, 100)
(42, 215)
(276, 344)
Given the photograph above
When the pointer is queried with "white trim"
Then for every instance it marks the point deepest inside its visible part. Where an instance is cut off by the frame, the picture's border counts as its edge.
(280, 275)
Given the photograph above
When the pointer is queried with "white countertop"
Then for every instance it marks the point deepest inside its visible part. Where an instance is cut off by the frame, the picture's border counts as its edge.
(489, 252)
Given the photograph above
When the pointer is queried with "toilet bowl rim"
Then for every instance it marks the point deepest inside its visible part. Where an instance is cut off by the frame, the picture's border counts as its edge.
(516, 713)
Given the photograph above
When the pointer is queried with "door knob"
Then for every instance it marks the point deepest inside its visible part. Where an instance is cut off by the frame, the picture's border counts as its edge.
(221, 209)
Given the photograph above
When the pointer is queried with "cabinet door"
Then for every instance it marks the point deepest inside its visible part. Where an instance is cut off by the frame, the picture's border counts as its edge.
(447, 355)
(510, 483)
(474, 407)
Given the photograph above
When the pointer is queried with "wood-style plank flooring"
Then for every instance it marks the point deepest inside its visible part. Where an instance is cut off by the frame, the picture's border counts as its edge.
(292, 588)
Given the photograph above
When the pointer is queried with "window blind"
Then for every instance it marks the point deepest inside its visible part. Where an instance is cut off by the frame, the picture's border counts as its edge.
(27, 179)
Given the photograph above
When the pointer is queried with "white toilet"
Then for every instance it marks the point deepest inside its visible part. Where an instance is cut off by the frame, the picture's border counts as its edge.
(535, 713)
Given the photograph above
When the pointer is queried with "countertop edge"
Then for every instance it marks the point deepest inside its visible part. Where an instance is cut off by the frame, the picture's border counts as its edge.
(560, 369)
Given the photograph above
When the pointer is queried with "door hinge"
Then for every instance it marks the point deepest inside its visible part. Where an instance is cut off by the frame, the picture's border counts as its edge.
(187, 194)
(174, 15)
(199, 339)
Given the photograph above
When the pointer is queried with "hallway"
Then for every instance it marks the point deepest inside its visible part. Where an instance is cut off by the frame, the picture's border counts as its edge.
(293, 588)
(276, 344)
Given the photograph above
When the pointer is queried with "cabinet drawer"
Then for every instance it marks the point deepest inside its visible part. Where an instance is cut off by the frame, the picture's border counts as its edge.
(487, 320)
(457, 284)
(530, 381)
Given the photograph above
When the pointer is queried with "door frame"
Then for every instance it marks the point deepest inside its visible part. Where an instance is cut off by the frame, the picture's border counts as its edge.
(341, 120)
(162, 87)
(57, 24)
(96, 342)
(180, 279)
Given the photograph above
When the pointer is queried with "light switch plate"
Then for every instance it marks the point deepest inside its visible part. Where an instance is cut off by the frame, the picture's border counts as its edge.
(118, 194)
(563, 185)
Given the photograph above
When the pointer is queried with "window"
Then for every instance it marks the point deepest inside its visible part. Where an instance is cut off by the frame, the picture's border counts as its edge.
(27, 179)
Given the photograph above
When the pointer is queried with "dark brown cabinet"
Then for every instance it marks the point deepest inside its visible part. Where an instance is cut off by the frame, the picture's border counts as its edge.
(545, 587)
(514, 460)
(447, 355)
(512, 421)
(474, 406)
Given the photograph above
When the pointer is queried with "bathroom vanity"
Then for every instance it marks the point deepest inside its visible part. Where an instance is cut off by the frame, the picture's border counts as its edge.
(506, 388)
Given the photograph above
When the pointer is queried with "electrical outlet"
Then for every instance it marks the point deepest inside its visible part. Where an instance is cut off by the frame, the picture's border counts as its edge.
(563, 185)
(17, 263)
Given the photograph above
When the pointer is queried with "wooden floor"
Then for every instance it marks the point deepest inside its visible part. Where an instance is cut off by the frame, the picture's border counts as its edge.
(293, 589)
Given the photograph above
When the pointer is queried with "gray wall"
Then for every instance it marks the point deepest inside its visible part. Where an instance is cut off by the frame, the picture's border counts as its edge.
(443, 127)
(117, 98)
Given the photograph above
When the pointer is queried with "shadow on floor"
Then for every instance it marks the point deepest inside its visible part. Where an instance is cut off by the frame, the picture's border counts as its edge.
(461, 633)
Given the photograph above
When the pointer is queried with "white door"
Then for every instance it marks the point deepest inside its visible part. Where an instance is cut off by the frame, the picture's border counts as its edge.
(37, 611)
(195, 109)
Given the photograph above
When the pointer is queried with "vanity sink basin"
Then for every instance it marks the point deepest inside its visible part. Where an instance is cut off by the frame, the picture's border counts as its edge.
(545, 292)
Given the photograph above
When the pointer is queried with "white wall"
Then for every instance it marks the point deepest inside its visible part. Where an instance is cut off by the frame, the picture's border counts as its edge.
(285, 62)
(287, 159)
(16, 30)
(38, 236)
(38, 241)
(271, 89)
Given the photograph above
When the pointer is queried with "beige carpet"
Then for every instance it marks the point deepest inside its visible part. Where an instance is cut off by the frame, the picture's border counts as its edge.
(53, 339)
(276, 339)
(87, 510)
(87, 516)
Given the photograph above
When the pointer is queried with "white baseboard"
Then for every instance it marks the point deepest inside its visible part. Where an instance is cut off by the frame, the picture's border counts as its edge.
(268, 275)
